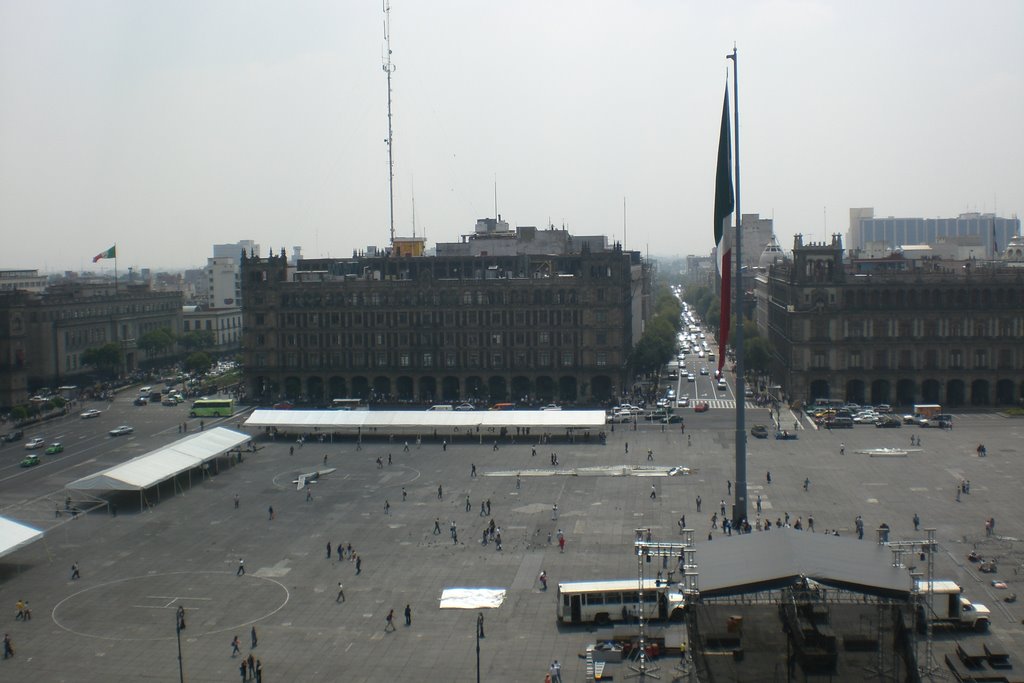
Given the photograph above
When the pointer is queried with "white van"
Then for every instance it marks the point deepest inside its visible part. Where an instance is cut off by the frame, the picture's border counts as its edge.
(441, 406)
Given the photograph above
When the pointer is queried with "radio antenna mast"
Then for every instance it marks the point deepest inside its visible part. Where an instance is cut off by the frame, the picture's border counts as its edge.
(389, 69)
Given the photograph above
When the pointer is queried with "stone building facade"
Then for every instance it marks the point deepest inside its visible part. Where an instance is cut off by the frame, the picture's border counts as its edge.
(519, 327)
(892, 330)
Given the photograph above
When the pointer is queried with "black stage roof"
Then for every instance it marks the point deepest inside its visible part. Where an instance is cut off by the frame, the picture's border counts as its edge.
(747, 563)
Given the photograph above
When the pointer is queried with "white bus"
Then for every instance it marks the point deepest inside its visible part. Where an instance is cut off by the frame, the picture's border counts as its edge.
(581, 602)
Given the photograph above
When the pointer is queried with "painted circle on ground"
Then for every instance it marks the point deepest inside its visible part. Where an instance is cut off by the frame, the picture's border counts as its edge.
(143, 608)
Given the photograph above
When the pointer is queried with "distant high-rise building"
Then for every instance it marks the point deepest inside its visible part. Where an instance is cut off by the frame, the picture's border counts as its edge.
(220, 287)
(870, 234)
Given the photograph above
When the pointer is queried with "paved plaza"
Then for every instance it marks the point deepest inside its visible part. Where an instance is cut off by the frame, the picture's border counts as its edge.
(117, 622)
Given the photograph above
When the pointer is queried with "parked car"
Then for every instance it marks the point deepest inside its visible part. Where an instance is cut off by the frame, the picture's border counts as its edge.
(888, 421)
(12, 436)
(121, 431)
(30, 460)
(54, 448)
(551, 406)
(701, 407)
(35, 443)
(759, 431)
(465, 406)
(673, 419)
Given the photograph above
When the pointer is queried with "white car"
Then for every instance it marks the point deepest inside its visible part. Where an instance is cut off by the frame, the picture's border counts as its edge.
(35, 443)
(691, 378)
(465, 406)
(92, 412)
(684, 402)
(722, 386)
(551, 406)
(123, 430)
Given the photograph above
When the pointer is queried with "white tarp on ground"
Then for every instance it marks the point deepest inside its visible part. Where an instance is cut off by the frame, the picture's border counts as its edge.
(472, 598)
(162, 464)
(14, 535)
(424, 420)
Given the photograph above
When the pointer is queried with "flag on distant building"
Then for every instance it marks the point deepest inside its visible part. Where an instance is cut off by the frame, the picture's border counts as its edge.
(109, 253)
(724, 207)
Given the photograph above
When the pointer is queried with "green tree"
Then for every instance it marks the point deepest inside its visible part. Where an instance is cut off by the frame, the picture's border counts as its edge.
(157, 341)
(197, 339)
(198, 361)
(757, 354)
(106, 359)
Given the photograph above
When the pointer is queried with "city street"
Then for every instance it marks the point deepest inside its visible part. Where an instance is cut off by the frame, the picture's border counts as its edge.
(138, 568)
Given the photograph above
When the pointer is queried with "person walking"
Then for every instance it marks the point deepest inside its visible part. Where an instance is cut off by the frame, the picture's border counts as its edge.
(554, 511)
(480, 624)
(359, 565)
(235, 647)
(403, 494)
(728, 484)
(543, 578)
(437, 526)
(472, 470)
(243, 669)
(75, 574)
(650, 455)
(252, 637)
(341, 593)
(8, 647)
(252, 667)
(698, 503)
(389, 621)
(408, 615)
(807, 484)
(654, 493)
(259, 671)
(518, 481)
(768, 477)
(917, 522)
(328, 550)
(236, 501)
(561, 543)
(241, 567)
(270, 513)
(842, 449)
(440, 492)
(387, 507)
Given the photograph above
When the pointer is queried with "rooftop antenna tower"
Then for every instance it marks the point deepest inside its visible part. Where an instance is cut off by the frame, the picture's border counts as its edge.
(389, 69)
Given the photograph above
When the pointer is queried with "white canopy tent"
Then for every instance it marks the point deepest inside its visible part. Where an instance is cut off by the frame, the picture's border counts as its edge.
(423, 421)
(155, 467)
(14, 535)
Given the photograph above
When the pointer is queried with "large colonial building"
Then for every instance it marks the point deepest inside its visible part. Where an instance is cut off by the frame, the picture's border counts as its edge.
(43, 336)
(894, 330)
(494, 318)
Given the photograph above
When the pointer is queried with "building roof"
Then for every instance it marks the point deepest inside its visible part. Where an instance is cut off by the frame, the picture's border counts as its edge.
(758, 561)
(14, 535)
(160, 465)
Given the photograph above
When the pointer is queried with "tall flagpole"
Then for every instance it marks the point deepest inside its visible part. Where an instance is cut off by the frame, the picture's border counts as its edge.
(739, 514)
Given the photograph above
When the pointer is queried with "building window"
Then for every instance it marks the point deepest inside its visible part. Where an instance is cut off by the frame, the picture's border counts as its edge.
(602, 358)
(544, 358)
(449, 359)
(1005, 359)
(495, 338)
(543, 337)
(467, 298)
(956, 360)
(931, 359)
(855, 360)
(819, 359)
(382, 359)
(473, 359)
(496, 360)
(600, 294)
(906, 360)
(602, 338)
(881, 359)
(567, 357)
(403, 359)
(520, 359)
(601, 316)
(428, 360)
(980, 359)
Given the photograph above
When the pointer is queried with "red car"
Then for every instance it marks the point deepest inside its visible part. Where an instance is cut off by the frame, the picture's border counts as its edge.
(701, 407)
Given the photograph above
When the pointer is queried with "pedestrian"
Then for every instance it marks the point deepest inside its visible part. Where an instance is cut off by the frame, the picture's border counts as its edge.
(917, 522)
(759, 502)
(728, 484)
(270, 512)
(440, 493)
(533, 452)
(437, 525)
(518, 481)
(243, 669)
(444, 445)
(252, 666)
(472, 471)
(698, 503)
(8, 648)
(650, 454)
(554, 511)
(483, 509)
(561, 543)
(557, 678)
(654, 492)
(236, 501)
(403, 494)
(241, 567)
(470, 507)
(807, 484)
(341, 593)
(328, 550)
(259, 671)
(387, 507)
(75, 574)
(488, 506)
(627, 448)
(408, 615)
(689, 439)
(842, 449)
(721, 506)
(405, 448)
(682, 523)
(389, 621)
(543, 578)
(389, 459)
(495, 445)
(181, 618)
(480, 624)
(768, 477)
(235, 646)
(359, 565)
(291, 450)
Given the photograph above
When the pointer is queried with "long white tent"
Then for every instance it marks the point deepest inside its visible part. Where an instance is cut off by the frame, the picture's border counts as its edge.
(14, 535)
(420, 421)
(158, 466)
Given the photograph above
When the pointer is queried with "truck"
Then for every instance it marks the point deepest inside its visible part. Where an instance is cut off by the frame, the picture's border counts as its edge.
(951, 607)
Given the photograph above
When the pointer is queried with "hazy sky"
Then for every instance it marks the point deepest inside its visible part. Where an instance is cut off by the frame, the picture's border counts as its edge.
(168, 126)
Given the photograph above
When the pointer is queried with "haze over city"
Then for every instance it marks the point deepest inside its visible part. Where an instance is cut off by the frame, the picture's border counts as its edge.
(168, 127)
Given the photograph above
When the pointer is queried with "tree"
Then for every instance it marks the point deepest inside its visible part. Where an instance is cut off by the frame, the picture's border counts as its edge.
(198, 361)
(757, 354)
(106, 359)
(197, 339)
(156, 341)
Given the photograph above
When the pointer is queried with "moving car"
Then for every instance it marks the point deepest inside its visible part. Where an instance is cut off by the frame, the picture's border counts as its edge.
(701, 407)
(35, 443)
(92, 412)
(16, 435)
(759, 431)
(672, 419)
(465, 406)
(703, 369)
(551, 406)
(284, 405)
(785, 435)
(121, 431)
(683, 402)
(141, 401)
(54, 448)
(722, 386)
(30, 460)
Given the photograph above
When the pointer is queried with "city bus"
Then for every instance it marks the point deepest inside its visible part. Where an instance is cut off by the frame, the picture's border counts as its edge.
(212, 407)
(349, 404)
(602, 602)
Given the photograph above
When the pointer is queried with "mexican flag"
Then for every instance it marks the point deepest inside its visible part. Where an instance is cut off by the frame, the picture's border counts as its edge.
(109, 253)
(724, 207)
